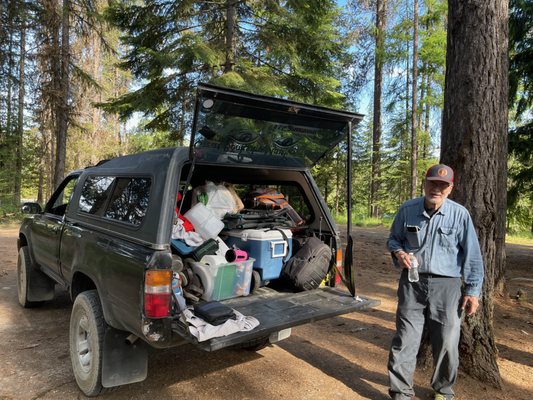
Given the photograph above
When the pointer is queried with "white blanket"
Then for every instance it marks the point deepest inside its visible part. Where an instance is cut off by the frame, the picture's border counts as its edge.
(205, 331)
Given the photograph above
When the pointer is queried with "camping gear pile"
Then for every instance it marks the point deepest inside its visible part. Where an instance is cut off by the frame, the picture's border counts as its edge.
(226, 247)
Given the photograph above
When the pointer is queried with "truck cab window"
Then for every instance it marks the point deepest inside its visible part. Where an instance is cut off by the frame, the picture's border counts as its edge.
(59, 202)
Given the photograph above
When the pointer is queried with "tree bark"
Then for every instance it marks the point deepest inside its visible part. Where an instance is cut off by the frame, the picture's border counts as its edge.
(231, 22)
(20, 122)
(9, 78)
(427, 115)
(338, 184)
(62, 115)
(381, 9)
(474, 143)
(405, 186)
(97, 75)
(414, 144)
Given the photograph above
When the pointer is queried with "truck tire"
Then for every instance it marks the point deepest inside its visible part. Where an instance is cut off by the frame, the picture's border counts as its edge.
(24, 270)
(86, 335)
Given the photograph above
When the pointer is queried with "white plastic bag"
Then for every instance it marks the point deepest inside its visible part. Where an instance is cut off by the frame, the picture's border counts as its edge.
(219, 199)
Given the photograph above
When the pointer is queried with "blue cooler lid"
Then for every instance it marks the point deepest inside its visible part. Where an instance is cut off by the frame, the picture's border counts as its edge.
(181, 247)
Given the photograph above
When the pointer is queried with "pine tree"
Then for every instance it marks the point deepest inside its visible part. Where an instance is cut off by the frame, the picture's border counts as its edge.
(381, 18)
(520, 196)
(20, 112)
(288, 49)
(58, 105)
(401, 99)
(474, 143)
(414, 105)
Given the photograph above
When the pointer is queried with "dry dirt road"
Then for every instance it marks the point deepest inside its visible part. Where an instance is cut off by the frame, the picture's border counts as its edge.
(340, 358)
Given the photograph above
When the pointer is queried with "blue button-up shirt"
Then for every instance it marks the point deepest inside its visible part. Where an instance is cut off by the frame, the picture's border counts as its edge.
(445, 244)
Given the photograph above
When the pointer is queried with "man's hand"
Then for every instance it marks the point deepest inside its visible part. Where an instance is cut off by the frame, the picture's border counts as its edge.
(403, 259)
(470, 305)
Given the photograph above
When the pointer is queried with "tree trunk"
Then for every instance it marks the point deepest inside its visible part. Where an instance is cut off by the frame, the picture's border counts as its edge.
(20, 123)
(9, 77)
(231, 22)
(427, 115)
(474, 143)
(338, 183)
(404, 186)
(97, 112)
(63, 108)
(381, 9)
(414, 145)
(43, 158)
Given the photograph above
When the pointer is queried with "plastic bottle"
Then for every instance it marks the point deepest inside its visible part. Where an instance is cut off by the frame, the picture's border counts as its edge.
(413, 271)
(178, 292)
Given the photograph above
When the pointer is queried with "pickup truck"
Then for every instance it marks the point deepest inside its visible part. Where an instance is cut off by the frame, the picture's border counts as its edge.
(106, 235)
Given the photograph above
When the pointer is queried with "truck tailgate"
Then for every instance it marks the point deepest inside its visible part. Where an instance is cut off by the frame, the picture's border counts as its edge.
(277, 310)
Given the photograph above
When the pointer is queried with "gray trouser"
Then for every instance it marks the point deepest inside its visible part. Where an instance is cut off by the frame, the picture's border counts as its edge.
(435, 300)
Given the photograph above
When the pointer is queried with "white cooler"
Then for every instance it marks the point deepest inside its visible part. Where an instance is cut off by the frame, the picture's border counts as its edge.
(269, 247)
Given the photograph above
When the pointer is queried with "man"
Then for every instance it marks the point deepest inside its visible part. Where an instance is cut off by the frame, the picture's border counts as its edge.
(440, 234)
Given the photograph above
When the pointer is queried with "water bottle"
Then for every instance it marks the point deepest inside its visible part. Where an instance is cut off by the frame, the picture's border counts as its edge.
(178, 292)
(413, 271)
(176, 284)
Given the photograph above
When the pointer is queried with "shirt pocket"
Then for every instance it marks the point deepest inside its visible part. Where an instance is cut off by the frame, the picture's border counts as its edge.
(447, 237)
(413, 236)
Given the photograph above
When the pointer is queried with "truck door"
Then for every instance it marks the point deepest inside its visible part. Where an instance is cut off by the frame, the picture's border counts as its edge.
(48, 226)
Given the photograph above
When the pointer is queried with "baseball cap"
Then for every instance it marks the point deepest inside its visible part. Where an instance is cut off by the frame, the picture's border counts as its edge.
(440, 172)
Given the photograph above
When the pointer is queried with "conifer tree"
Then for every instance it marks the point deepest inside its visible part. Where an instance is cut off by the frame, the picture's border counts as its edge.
(520, 196)
(290, 49)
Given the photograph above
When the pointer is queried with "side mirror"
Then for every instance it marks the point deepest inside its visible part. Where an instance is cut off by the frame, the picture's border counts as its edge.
(31, 208)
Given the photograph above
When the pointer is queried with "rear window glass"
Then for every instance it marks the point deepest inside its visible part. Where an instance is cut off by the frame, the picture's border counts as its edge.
(120, 199)
(94, 194)
(129, 200)
(233, 127)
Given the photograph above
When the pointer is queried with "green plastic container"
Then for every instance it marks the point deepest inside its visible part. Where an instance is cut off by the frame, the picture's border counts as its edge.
(225, 281)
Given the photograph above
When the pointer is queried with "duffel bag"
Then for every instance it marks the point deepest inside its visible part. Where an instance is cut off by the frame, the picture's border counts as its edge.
(309, 266)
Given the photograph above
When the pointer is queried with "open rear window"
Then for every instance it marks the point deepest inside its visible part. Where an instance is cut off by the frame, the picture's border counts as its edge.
(237, 127)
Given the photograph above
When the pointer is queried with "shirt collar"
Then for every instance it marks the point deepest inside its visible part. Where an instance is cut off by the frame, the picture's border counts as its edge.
(442, 210)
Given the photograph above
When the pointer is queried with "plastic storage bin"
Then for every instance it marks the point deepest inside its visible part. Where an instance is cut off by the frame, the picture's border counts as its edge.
(225, 281)
(269, 247)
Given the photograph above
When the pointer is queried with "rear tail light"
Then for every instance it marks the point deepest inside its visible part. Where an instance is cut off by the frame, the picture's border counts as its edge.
(157, 293)
(339, 266)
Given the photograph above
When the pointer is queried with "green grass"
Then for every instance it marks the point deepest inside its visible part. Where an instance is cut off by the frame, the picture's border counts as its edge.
(520, 238)
(363, 222)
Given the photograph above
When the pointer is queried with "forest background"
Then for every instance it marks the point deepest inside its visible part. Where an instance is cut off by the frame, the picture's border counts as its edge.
(86, 80)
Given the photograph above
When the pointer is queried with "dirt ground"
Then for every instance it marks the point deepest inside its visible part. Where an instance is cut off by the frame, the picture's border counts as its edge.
(339, 358)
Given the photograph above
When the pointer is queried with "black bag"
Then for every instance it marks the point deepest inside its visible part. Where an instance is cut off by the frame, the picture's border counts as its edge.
(257, 219)
(213, 312)
(309, 266)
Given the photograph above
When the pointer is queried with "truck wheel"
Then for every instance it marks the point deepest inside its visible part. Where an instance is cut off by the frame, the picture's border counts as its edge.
(24, 270)
(87, 330)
